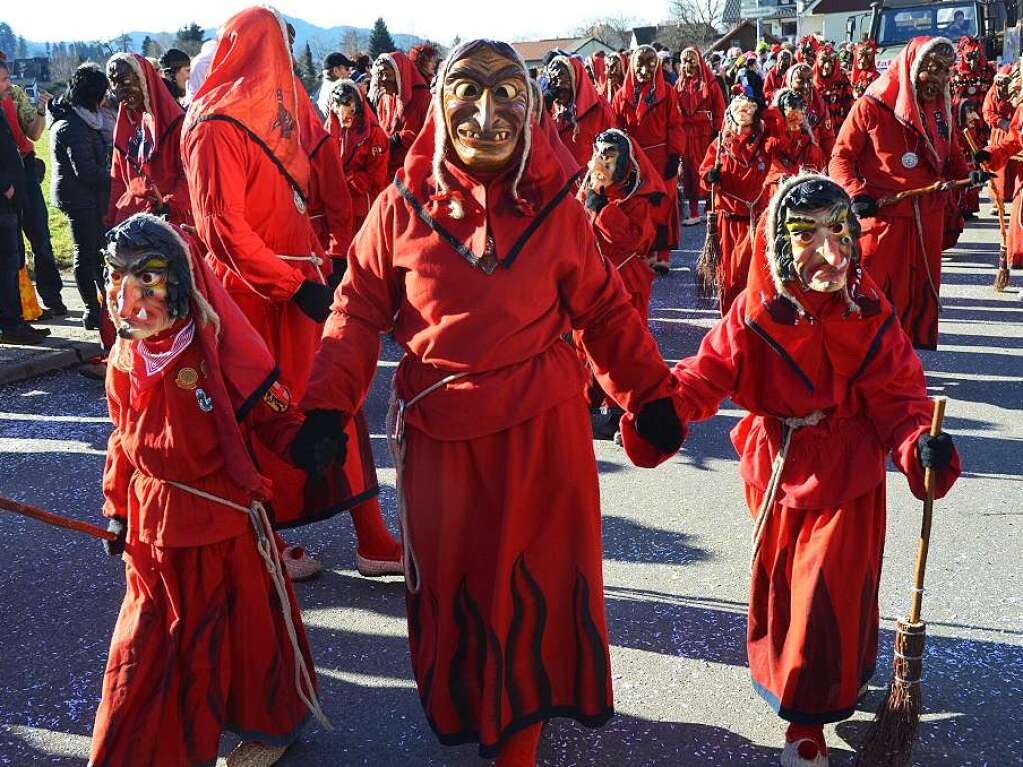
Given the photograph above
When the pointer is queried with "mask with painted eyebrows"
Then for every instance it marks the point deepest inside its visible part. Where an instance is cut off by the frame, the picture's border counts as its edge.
(125, 84)
(485, 99)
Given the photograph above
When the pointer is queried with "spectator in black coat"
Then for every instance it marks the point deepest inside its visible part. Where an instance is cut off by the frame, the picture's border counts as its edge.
(81, 178)
(13, 329)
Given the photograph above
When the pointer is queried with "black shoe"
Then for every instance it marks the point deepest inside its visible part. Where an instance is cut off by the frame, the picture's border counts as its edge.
(23, 335)
(661, 269)
(91, 320)
(45, 316)
(56, 309)
(604, 422)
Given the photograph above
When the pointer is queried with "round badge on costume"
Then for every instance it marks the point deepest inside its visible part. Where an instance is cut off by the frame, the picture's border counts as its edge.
(186, 378)
(910, 160)
(299, 202)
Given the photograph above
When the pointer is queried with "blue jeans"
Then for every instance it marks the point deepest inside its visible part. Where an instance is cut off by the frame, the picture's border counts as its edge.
(36, 224)
(12, 256)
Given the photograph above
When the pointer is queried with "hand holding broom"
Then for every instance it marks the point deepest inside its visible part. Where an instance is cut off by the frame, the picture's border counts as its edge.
(889, 743)
(709, 262)
(1002, 275)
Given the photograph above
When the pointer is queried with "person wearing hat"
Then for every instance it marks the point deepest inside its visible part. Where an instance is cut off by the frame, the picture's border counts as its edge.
(336, 66)
(175, 67)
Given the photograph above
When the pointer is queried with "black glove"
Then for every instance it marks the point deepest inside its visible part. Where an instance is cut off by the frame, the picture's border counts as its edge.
(337, 273)
(119, 527)
(864, 206)
(714, 176)
(320, 441)
(658, 424)
(595, 200)
(934, 452)
(314, 299)
(981, 156)
(980, 177)
(671, 169)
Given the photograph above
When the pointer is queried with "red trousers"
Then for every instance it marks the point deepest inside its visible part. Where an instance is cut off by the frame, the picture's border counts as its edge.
(200, 646)
(813, 615)
(909, 273)
(509, 626)
(697, 141)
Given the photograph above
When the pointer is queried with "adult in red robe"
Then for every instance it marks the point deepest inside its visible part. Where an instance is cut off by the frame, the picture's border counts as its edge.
(832, 85)
(815, 354)
(249, 176)
(971, 79)
(646, 108)
(364, 147)
(702, 107)
(998, 110)
(998, 156)
(864, 67)
(329, 205)
(478, 260)
(775, 79)
(617, 66)
(806, 49)
(596, 66)
(401, 99)
(579, 112)
(900, 136)
(800, 79)
(734, 171)
(146, 174)
(203, 642)
(791, 144)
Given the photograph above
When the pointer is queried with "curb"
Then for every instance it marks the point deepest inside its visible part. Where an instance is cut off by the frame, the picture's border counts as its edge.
(50, 361)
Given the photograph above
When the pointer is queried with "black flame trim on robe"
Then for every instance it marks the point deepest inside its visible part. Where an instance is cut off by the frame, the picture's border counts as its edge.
(528, 618)
(466, 675)
(592, 652)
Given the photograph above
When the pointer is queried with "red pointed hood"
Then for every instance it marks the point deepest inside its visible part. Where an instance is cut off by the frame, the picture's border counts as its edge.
(251, 83)
(585, 93)
(707, 80)
(647, 180)
(966, 45)
(857, 73)
(598, 65)
(814, 43)
(837, 73)
(408, 79)
(360, 130)
(896, 89)
(645, 98)
(310, 127)
(160, 113)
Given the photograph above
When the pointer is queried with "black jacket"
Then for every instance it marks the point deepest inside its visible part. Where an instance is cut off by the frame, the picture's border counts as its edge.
(81, 166)
(12, 171)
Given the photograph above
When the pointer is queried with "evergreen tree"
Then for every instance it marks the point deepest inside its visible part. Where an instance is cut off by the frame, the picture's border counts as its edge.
(309, 69)
(8, 42)
(380, 40)
(22, 47)
(123, 43)
(150, 48)
(190, 39)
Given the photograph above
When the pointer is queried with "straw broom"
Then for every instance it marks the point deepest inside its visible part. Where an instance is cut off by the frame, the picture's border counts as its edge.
(1002, 275)
(709, 262)
(889, 742)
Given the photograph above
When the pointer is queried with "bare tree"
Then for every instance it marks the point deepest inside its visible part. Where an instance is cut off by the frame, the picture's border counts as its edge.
(697, 13)
(616, 31)
(350, 43)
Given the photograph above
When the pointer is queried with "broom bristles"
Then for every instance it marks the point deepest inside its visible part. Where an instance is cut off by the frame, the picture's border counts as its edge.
(890, 739)
(1002, 275)
(709, 262)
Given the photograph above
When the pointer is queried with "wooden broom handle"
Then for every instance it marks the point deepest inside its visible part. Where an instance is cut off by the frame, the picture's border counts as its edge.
(52, 519)
(925, 526)
(937, 186)
(999, 202)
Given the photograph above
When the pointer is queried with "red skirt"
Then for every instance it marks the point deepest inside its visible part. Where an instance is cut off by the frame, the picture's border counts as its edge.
(905, 271)
(508, 627)
(200, 647)
(813, 615)
(736, 254)
(697, 141)
(293, 339)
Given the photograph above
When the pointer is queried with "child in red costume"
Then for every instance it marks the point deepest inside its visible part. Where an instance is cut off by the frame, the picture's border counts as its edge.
(646, 108)
(832, 84)
(775, 79)
(364, 147)
(791, 144)
(209, 636)
(734, 171)
(146, 173)
(864, 69)
(329, 205)
(997, 156)
(702, 107)
(479, 262)
(402, 99)
(578, 111)
(249, 176)
(900, 136)
(816, 355)
(818, 116)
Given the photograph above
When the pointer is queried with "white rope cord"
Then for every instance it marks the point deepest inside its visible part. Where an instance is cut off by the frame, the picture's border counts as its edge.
(923, 250)
(623, 263)
(312, 258)
(271, 558)
(788, 426)
(395, 427)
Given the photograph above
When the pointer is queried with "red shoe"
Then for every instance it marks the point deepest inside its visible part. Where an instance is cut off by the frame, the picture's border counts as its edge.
(804, 747)
(375, 565)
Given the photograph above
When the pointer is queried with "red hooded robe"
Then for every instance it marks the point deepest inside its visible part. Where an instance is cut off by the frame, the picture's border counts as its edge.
(588, 116)
(1002, 156)
(998, 113)
(508, 544)
(775, 81)
(147, 152)
(200, 644)
(597, 64)
(702, 108)
(402, 115)
(650, 116)
(249, 175)
(364, 153)
(835, 91)
(860, 79)
(886, 131)
(817, 114)
(813, 613)
(789, 151)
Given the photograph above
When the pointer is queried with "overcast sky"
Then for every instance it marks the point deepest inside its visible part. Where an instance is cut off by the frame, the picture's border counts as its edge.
(503, 19)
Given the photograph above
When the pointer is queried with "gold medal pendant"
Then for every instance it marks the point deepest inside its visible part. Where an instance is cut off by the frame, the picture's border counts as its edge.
(187, 378)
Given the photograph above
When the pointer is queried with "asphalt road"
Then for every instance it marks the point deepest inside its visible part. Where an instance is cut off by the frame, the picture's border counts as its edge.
(676, 557)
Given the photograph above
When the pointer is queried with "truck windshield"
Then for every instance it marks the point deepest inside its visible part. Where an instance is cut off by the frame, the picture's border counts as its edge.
(951, 20)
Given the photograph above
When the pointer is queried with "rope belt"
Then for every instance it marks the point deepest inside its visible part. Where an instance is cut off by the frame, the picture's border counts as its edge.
(623, 263)
(396, 444)
(312, 258)
(788, 426)
(271, 558)
(923, 251)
